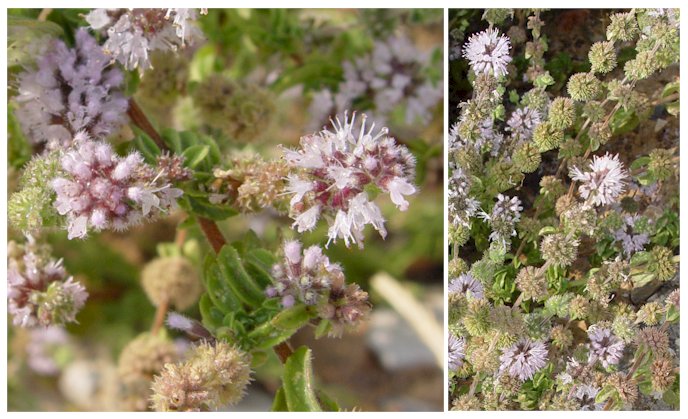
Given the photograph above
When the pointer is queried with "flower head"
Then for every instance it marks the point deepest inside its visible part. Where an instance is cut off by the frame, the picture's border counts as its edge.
(72, 90)
(503, 218)
(39, 292)
(466, 284)
(604, 346)
(457, 351)
(462, 207)
(488, 51)
(585, 394)
(133, 33)
(304, 276)
(43, 346)
(391, 74)
(523, 359)
(522, 122)
(101, 190)
(604, 182)
(631, 241)
(332, 172)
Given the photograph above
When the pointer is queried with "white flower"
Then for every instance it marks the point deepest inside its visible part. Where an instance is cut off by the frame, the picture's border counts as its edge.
(488, 51)
(399, 187)
(307, 219)
(604, 182)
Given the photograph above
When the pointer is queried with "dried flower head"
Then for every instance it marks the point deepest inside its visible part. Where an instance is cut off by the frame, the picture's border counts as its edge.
(533, 286)
(625, 387)
(252, 183)
(488, 51)
(663, 377)
(602, 57)
(171, 280)
(214, 376)
(562, 113)
(584, 87)
(604, 182)
(333, 171)
(132, 34)
(654, 339)
(559, 249)
(523, 359)
(72, 90)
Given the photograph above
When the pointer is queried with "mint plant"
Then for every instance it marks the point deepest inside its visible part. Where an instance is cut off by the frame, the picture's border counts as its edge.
(563, 271)
(129, 119)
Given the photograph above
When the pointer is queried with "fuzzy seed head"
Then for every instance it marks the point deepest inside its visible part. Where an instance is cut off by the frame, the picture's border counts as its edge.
(173, 280)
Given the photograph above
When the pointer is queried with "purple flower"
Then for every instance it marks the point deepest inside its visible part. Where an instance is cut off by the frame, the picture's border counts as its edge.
(462, 207)
(630, 241)
(466, 284)
(305, 277)
(488, 51)
(523, 359)
(457, 351)
(503, 218)
(333, 170)
(522, 122)
(604, 346)
(585, 394)
(604, 182)
(42, 346)
(133, 33)
(102, 190)
(39, 292)
(72, 90)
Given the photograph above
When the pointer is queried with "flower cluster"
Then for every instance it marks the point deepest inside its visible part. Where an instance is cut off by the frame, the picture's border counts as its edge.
(306, 276)
(39, 291)
(333, 172)
(132, 34)
(563, 299)
(213, 376)
(391, 74)
(101, 190)
(71, 90)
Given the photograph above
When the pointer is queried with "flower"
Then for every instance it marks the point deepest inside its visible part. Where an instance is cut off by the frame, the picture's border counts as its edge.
(585, 394)
(503, 218)
(462, 207)
(101, 190)
(214, 376)
(522, 122)
(304, 276)
(391, 74)
(39, 292)
(488, 51)
(332, 172)
(72, 90)
(631, 241)
(604, 346)
(466, 284)
(604, 182)
(523, 359)
(457, 351)
(133, 33)
(43, 346)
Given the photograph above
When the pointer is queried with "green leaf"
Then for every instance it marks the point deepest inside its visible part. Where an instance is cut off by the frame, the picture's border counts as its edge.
(212, 317)
(639, 162)
(279, 404)
(604, 394)
(328, 403)
(547, 230)
(201, 206)
(194, 155)
(298, 382)
(217, 287)
(266, 336)
(245, 288)
(672, 398)
(322, 329)
(292, 318)
(147, 147)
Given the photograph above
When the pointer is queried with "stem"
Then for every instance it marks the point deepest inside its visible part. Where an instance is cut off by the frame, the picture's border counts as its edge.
(43, 16)
(210, 229)
(212, 233)
(140, 120)
(160, 314)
